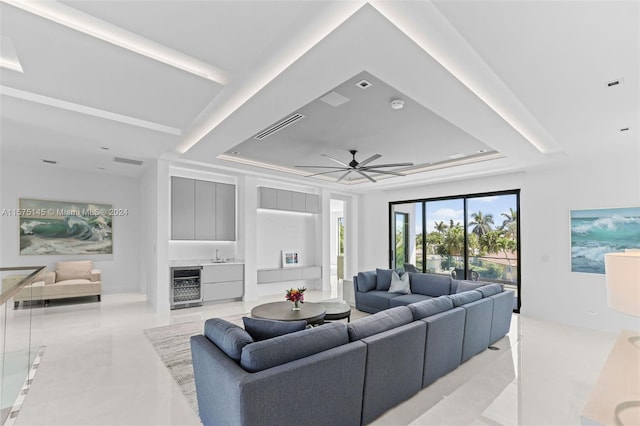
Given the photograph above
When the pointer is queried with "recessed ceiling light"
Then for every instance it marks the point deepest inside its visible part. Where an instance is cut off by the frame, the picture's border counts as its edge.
(456, 156)
(482, 151)
(50, 161)
(363, 84)
(106, 148)
(235, 152)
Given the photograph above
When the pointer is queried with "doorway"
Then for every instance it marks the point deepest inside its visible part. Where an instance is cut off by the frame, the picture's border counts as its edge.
(337, 245)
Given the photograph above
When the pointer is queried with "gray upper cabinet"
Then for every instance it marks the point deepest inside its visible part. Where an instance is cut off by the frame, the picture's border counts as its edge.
(206, 207)
(280, 199)
(202, 210)
(182, 208)
(225, 218)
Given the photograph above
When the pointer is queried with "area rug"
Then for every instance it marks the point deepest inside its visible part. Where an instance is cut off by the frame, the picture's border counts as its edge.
(172, 343)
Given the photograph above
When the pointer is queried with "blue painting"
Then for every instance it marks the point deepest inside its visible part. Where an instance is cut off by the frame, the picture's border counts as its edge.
(599, 231)
(62, 227)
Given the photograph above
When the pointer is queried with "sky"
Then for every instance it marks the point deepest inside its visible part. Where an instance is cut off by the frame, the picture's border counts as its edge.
(445, 210)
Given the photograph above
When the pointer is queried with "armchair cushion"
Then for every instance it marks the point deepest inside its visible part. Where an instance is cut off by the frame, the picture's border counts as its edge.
(95, 275)
(49, 278)
(80, 269)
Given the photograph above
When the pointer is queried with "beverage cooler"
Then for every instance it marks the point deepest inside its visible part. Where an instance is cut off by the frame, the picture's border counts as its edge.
(186, 289)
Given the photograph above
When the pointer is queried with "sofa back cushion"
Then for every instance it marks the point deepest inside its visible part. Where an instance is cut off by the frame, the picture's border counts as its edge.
(379, 322)
(229, 337)
(366, 281)
(490, 289)
(268, 353)
(261, 329)
(433, 285)
(459, 299)
(460, 286)
(74, 270)
(383, 279)
(426, 308)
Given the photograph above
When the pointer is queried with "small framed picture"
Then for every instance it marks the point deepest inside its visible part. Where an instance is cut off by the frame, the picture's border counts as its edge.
(290, 258)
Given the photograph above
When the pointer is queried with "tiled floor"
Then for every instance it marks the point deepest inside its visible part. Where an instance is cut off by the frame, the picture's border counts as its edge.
(99, 369)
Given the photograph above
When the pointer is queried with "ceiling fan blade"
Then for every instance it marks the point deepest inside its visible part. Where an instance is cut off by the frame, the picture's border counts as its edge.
(327, 172)
(337, 161)
(384, 172)
(325, 167)
(370, 159)
(366, 175)
(344, 175)
(377, 166)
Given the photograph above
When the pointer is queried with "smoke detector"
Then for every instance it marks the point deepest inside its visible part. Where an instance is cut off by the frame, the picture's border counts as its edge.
(397, 104)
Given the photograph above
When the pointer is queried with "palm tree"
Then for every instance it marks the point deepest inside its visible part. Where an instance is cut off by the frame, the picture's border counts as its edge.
(509, 225)
(481, 223)
(441, 227)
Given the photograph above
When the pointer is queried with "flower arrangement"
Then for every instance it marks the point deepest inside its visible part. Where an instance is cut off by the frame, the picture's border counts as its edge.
(296, 295)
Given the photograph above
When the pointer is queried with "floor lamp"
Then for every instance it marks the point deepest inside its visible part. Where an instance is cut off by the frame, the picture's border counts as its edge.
(623, 294)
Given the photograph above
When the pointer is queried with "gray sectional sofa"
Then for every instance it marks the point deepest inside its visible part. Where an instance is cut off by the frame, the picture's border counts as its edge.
(337, 373)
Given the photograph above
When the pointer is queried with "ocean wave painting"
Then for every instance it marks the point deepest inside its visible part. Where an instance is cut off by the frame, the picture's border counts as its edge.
(599, 231)
(62, 227)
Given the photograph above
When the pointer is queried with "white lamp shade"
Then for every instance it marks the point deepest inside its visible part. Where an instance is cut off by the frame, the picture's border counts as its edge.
(623, 281)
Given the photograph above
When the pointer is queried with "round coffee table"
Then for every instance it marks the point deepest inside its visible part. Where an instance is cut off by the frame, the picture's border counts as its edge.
(312, 313)
(336, 310)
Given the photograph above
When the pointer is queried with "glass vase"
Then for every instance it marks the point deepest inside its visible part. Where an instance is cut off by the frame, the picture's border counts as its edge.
(296, 306)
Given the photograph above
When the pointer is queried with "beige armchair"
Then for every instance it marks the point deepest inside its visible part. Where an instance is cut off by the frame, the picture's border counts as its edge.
(70, 279)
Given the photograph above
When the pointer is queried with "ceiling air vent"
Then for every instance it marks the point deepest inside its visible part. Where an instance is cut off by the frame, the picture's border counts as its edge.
(278, 126)
(363, 84)
(49, 161)
(127, 161)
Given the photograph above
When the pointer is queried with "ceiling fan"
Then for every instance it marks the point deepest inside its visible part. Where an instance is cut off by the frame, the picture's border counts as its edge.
(361, 167)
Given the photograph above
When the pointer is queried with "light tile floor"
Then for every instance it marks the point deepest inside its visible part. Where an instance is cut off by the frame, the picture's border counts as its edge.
(99, 369)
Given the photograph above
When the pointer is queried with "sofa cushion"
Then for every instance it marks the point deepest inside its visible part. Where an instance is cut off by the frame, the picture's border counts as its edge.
(79, 269)
(378, 300)
(407, 299)
(261, 329)
(433, 285)
(399, 284)
(466, 285)
(490, 290)
(459, 299)
(379, 322)
(289, 347)
(383, 279)
(366, 281)
(426, 308)
(229, 337)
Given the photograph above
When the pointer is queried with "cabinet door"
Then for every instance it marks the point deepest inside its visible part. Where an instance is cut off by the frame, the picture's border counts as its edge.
(284, 200)
(225, 212)
(268, 198)
(298, 201)
(312, 205)
(205, 210)
(182, 208)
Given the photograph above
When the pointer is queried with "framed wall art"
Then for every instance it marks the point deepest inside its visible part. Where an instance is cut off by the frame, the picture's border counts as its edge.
(598, 231)
(62, 227)
(290, 258)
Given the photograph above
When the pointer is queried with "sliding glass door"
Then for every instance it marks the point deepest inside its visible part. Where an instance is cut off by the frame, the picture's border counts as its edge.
(469, 237)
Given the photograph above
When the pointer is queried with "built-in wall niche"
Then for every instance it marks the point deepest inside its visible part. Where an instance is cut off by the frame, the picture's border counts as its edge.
(282, 199)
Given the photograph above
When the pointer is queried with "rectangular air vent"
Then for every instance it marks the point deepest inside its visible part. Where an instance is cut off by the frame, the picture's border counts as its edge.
(278, 126)
(49, 161)
(127, 161)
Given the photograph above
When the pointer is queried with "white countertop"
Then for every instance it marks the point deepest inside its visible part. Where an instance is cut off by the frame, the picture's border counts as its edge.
(203, 262)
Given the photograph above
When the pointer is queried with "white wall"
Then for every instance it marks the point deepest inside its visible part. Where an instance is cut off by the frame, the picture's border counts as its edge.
(120, 270)
(549, 289)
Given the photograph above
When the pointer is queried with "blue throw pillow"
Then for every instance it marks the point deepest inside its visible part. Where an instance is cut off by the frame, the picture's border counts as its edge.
(261, 329)
(366, 281)
(400, 284)
(490, 290)
(228, 337)
(383, 280)
(466, 285)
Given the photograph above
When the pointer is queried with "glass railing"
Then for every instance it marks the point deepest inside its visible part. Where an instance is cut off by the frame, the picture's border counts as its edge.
(20, 334)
